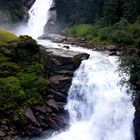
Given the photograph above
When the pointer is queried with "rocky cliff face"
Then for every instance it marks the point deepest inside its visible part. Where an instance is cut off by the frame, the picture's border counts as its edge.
(52, 25)
(136, 121)
(51, 115)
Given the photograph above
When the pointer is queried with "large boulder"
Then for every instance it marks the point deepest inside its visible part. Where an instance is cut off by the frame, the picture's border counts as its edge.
(63, 60)
(57, 38)
(29, 114)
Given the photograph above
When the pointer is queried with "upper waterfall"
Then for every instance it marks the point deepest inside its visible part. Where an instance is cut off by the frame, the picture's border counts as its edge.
(38, 17)
(39, 14)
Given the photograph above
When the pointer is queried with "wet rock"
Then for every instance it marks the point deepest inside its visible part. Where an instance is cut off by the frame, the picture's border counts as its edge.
(59, 97)
(33, 131)
(67, 47)
(29, 114)
(57, 38)
(53, 124)
(62, 60)
(29, 3)
(2, 134)
(136, 123)
(42, 109)
(57, 79)
(52, 104)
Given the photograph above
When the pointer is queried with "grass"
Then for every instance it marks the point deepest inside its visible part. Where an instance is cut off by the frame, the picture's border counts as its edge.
(6, 37)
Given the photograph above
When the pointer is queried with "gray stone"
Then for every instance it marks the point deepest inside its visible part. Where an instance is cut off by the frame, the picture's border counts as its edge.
(2, 134)
(29, 114)
(52, 104)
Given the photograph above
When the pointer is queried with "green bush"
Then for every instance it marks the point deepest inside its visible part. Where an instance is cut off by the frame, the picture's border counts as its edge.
(122, 33)
(22, 75)
(122, 37)
(11, 93)
(81, 30)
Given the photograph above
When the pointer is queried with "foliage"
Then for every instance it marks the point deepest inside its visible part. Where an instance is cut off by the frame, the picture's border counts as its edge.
(16, 8)
(89, 11)
(22, 75)
(11, 93)
(121, 33)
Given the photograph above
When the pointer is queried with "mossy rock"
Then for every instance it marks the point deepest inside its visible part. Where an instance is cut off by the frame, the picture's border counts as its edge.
(6, 37)
(23, 80)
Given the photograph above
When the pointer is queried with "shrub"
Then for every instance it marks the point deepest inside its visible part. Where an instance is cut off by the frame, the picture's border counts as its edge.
(81, 30)
(22, 72)
(11, 93)
(122, 37)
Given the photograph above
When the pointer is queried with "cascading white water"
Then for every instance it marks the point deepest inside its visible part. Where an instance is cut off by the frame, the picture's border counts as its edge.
(38, 17)
(98, 109)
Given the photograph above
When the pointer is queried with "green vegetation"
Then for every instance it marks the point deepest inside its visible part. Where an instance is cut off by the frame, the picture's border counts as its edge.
(121, 33)
(74, 12)
(15, 8)
(6, 37)
(22, 74)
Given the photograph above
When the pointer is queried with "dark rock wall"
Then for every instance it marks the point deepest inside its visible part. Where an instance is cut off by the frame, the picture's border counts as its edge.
(51, 115)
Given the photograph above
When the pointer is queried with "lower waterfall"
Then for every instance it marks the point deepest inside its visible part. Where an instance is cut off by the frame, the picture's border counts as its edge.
(99, 109)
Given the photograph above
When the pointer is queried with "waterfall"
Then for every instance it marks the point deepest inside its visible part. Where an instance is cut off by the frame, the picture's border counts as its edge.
(38, 17)
(99, 109)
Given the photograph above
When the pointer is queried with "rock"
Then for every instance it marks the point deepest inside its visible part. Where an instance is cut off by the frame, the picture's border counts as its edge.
(67, 47)
(65, 72)
(59, 79)
(53, 124)
(52, 104)
(62, 60)
(58, 93)
(29, 3)
(57, 38)
(29, 114)
(42, 109)
(33, 131)
(56, 62)
(59, 82)
(62, 120)
(2, 134)
(4, 127)
(136, 123)
(79, 57)
(4, 121)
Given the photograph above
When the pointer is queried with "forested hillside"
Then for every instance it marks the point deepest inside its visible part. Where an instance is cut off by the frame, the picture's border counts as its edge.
(15, 10)
(89, 11)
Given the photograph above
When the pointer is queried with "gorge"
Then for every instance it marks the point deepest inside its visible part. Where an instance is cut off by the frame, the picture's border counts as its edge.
(98, 108)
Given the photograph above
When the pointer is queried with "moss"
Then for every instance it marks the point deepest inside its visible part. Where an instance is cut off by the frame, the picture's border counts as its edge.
(6, 37)
(77, 60)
